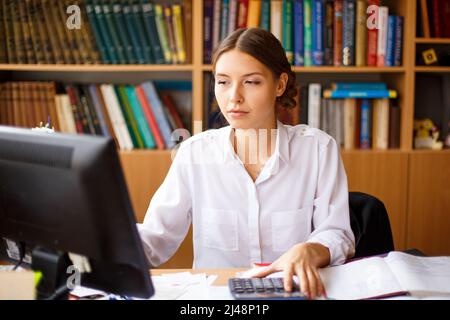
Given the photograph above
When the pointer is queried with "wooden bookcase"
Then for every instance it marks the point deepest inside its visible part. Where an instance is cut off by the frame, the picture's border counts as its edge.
(414, 185)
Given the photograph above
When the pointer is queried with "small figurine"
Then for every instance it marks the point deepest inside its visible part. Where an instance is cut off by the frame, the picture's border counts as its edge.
(427, 135)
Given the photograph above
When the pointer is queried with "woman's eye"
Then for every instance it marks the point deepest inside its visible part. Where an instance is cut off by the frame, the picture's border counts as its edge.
(220, 82)
(252, 82)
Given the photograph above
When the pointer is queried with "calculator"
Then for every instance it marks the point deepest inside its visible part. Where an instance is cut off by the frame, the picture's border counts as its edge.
(262, 288)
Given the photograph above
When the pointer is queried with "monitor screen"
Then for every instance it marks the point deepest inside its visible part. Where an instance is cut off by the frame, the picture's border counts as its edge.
(66, 194)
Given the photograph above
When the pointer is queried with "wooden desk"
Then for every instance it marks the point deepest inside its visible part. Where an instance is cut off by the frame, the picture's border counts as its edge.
(222, 274)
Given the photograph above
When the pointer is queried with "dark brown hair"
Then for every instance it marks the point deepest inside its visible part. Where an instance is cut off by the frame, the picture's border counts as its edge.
(265, 47)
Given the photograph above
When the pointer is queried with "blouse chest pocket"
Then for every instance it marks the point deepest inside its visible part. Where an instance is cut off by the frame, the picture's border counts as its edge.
(220, 229)
(290, 227)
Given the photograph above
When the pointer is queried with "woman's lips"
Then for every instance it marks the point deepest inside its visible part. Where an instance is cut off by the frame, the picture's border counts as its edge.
(237, 114)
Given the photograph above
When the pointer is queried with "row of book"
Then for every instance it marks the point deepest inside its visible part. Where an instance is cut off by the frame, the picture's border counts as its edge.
(435, 20)
(313, 32)
(137, 117)
(355, 123)
(106, 31)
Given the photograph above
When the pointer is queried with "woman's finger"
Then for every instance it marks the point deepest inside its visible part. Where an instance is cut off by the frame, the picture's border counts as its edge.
(321, 287)
(312, 280)
(288, 273)
(303, 279)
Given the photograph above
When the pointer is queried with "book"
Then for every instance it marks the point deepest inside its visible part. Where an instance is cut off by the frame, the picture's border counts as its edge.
(425, 18)
(337, 33)
(358, 86)
(348, 32)
(307, 32)
(298, 38)
(396, 274)
(318, 25)
(368, 94)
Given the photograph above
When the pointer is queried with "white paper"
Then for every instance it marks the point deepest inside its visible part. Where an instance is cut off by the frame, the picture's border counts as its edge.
(360, 279)
(420, 274)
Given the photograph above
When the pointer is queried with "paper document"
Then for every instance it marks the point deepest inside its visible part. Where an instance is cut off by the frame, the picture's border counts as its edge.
(393, 275)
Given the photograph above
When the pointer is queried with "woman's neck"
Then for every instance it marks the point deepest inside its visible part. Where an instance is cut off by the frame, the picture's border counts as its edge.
(254, 146)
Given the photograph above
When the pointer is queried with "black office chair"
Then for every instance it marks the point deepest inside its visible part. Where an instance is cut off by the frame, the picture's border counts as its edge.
(369, 221)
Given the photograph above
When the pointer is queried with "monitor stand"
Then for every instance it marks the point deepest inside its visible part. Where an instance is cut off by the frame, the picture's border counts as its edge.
(53, 266)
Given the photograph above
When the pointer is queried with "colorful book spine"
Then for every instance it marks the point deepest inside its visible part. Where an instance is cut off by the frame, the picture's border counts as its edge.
(307, 32)
(264, 21)
(141, 121)
(179, 33)
(287, 30)
(398, 50)
(148, 18)
(157, 108)
(390, 46)
(153, 124)
(224, 19)
(299, 52)
(318, 32)
(162, 33)
(358, 86)
(348, 33)
(361, 33)
(99, 111)
(232, 16)
(129, 117)
(276, 19)
(132, 32)
(365, 135)
(328, 41)
(136, 18)
(337, 34)
(113, 32)
(106, 36)
(372, 33)
(383, 16)
(368, 94)
(254, 13)
(314, 103)
(242, 13)
(123, 35)
(208, 10)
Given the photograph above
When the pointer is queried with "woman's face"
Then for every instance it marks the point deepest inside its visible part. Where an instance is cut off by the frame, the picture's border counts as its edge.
(246, 91)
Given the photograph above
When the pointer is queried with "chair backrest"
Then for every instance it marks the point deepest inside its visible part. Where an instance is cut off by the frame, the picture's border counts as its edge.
(370, 224)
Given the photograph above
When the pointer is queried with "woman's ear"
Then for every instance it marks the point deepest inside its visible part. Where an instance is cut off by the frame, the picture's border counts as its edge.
(282, 84)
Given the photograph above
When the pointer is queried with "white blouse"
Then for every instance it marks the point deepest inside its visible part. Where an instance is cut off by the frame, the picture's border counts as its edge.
(300, 195)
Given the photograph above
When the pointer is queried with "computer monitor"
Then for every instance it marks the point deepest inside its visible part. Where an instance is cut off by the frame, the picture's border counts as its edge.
(62, 194)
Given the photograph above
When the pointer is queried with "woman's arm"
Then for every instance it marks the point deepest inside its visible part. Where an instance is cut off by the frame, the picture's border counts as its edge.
(168, 217)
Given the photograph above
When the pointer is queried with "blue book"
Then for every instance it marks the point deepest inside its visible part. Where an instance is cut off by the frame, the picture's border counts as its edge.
(158, 112)
(358, 86)
(348, 32)
(389, 59)
(208, 11)
(299, 51)
(398, 50)
(99, 110)
(368, 94)
(318, 23)
(141, 121)
(366, 121)
(224, 21)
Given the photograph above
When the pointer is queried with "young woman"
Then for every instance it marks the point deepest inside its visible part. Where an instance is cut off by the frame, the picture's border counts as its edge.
(256, 190)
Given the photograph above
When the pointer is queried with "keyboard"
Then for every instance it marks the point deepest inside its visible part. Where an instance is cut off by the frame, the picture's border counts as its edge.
(262, 288)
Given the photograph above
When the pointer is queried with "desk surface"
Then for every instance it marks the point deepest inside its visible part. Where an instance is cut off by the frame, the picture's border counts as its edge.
(222, 274)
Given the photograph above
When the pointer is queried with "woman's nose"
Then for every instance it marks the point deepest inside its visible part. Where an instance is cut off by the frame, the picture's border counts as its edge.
(236, 96)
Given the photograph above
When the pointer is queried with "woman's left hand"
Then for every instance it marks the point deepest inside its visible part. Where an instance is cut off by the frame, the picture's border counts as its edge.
(303, 260)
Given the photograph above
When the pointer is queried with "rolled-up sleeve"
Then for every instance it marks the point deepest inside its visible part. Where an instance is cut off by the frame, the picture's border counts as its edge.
(169, 215)
(331, 218)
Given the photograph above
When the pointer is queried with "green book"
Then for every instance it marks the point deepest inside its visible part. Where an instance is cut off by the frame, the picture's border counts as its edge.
(142, 124)
(265, 15)
(307, 18)
(113, 32)
(287, 30)
(129, 118)
(123, 34)
(162, 33)
(100, 16)
(136, 14)
(99, 40)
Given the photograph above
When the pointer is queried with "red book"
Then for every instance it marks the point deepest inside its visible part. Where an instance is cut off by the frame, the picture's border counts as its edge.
(150, 118)
(242, 14)
(372, 39)
(437, 9)
(337, 32)
(168, 102)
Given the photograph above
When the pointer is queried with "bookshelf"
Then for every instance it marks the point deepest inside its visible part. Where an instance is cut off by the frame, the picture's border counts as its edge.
(412, 184)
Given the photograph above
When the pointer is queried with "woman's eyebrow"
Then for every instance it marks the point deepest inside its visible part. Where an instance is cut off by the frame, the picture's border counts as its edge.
(245, 75)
